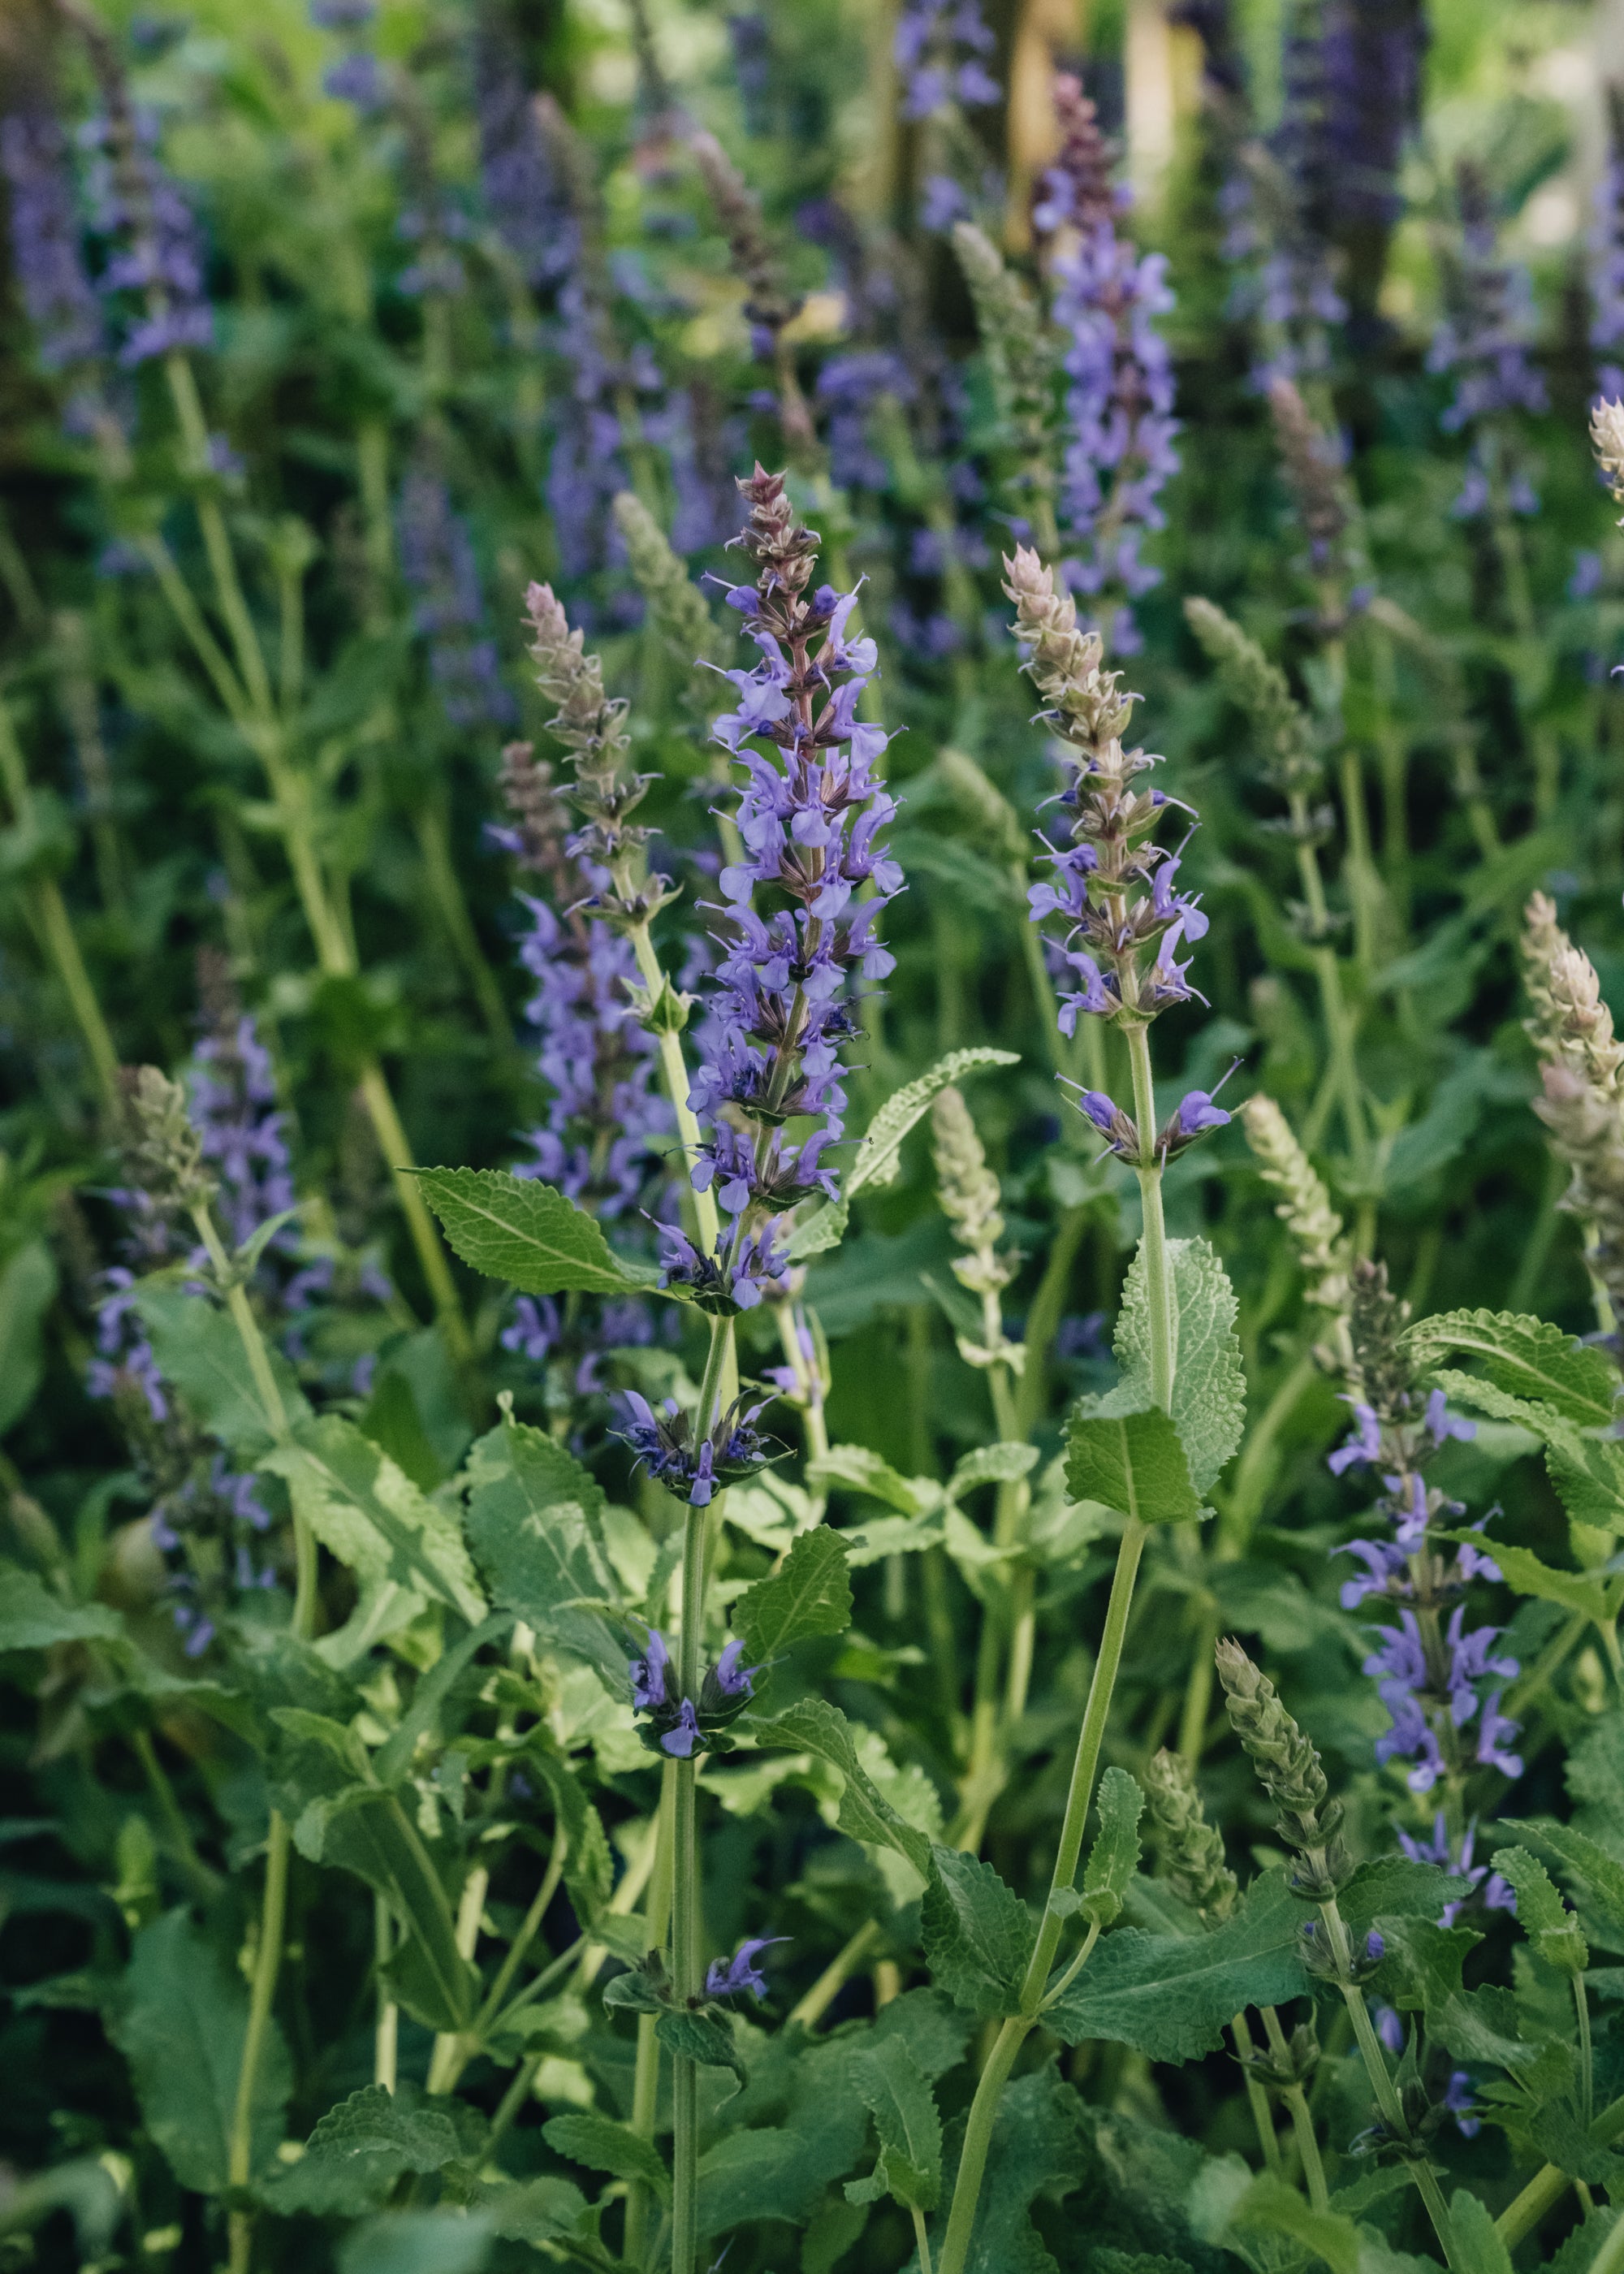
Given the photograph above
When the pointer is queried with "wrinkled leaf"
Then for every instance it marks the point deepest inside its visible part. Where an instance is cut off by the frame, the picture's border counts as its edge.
(1527, 1356)
(1209, 1386)
(1114, 1856)
(814, 1726)
(528, 1233)
(535, 1526)
(810, 1594)
(977, 1934)
(1124, 1451)
(370, 1515)
(601, 2145)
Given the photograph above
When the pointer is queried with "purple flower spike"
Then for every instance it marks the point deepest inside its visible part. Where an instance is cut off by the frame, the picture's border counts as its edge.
(729, 1977)
(1364, 1445)
(680, 1739)
(648, 1674)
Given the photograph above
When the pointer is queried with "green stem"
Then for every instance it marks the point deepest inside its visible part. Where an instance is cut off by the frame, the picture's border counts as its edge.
(1268, 2139)
(640, 2204)
(1016, 2027)
(1301, 2120)
(1158, 1278)
(1586, 2087)
(673, 1067)
(204, 1882)
(922, 2239)
(429, 822)
(810, 2010)
(387, 2031)
(1381, 2083)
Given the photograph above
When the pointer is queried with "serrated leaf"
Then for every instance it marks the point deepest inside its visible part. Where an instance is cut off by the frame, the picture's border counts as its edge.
(182, 2030)
(33, 1618)
(1171, 1996)
(1269, 2206)
(991, 1464)
(439, 2241)
(528, 1233)
(810, 1594)
(875, 1162)
(1124, 1451)
(1478, 2247)
(1039, 2146)
(977, 1934)
(535, 1526)
(1209, 1385)
(816, 1234)
(812, 1725)
(589, 1867)
(358, 2150)
(896, 2092)
(1114, 1856)
(1393, 1887)
(1528, 1357)
(199, 1353)
(372, 1516)
(700, 2038)
(1423, 1963)
(1541, 1913)
(1588, 1473)
(1601, 1873)
(601, 2145)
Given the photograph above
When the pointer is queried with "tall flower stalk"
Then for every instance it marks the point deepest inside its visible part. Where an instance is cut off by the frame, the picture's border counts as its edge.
(1113, 891)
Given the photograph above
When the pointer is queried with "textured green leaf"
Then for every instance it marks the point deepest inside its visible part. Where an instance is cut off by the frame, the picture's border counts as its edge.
(1209, 1386)
(443, 2241)
(1541, 1913)
(1171, 1996)
(1478, 2249)
(1267, 2205)
(1424, 1962)
(768, 2171)
(535, 1526)
(33, 1618)
(589, 1867)
(896, 2092)
(700, 2038)
(1528, 1356)
(182, 2032)
(368, 1515)
(991, 1464)
(360, 2149)
(28, 1289)
(1114, 1856)
(855, 1469)
(548, 2210)
(817, 1233)
(1038, 2148)
(1588, 1473)
(875, 1160)
(601, 2145)
(809, 1596)
(1601, 1873)
(200, 1354)
(1481, 2025)
(1124, 1451)
(977, 1934)
(812, 1725)
(1393, 1887)
(528, 1233)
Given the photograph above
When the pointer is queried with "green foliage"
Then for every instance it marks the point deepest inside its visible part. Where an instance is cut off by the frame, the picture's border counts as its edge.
(603, 2145)
(1124, 1451)
(183, 2017)
(1526, 1358)
(896, 2092)
(978, 1933)
(1209, 1388)
(358, 2150)
(526, 1232)
(1114, 1856)
(535, 1527)
(372, 1516)
(1172, 1997)
(809, 1596)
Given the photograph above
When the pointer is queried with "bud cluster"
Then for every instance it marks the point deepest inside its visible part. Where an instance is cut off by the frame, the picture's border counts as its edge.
(1316, 1230)
(1191, 1848)
(969, 1194)
(1287, 1769)
(1582, 1104)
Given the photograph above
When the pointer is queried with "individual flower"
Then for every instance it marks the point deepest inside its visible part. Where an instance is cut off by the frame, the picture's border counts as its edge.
(649, 1674)
(730, 1978)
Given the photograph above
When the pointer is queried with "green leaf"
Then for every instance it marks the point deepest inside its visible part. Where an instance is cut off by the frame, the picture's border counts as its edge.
(1039, 2146)
(443, 2241)
(1601, 1873)
(1114, 1856)
(810, 1594)
(977, 1934)
(370, 1515)
(896, 2092)
(200, 1354)
(1124, 1451)
(535, 1526)
(601, 2145)
(700, 2038)
(1209, 1386)
(1171, 1996)
(548, 2209)
(182, 2032)
(768, 2171)
(1267, 2205)
(1541, 1913)
(1481, 2025)
(1478, 2249)
(526, 1232)
(1588, 1473)
(28, 1289)
(816, 1234)
(589, 1867)
(812, 1725)
(33, 1618)
(855, 1469)
(1392, 1886)
(1586, 1593)
(876, 1158)
(1528, 1357)
(358, 2150)
(1424, 1962)
(991, 1464)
